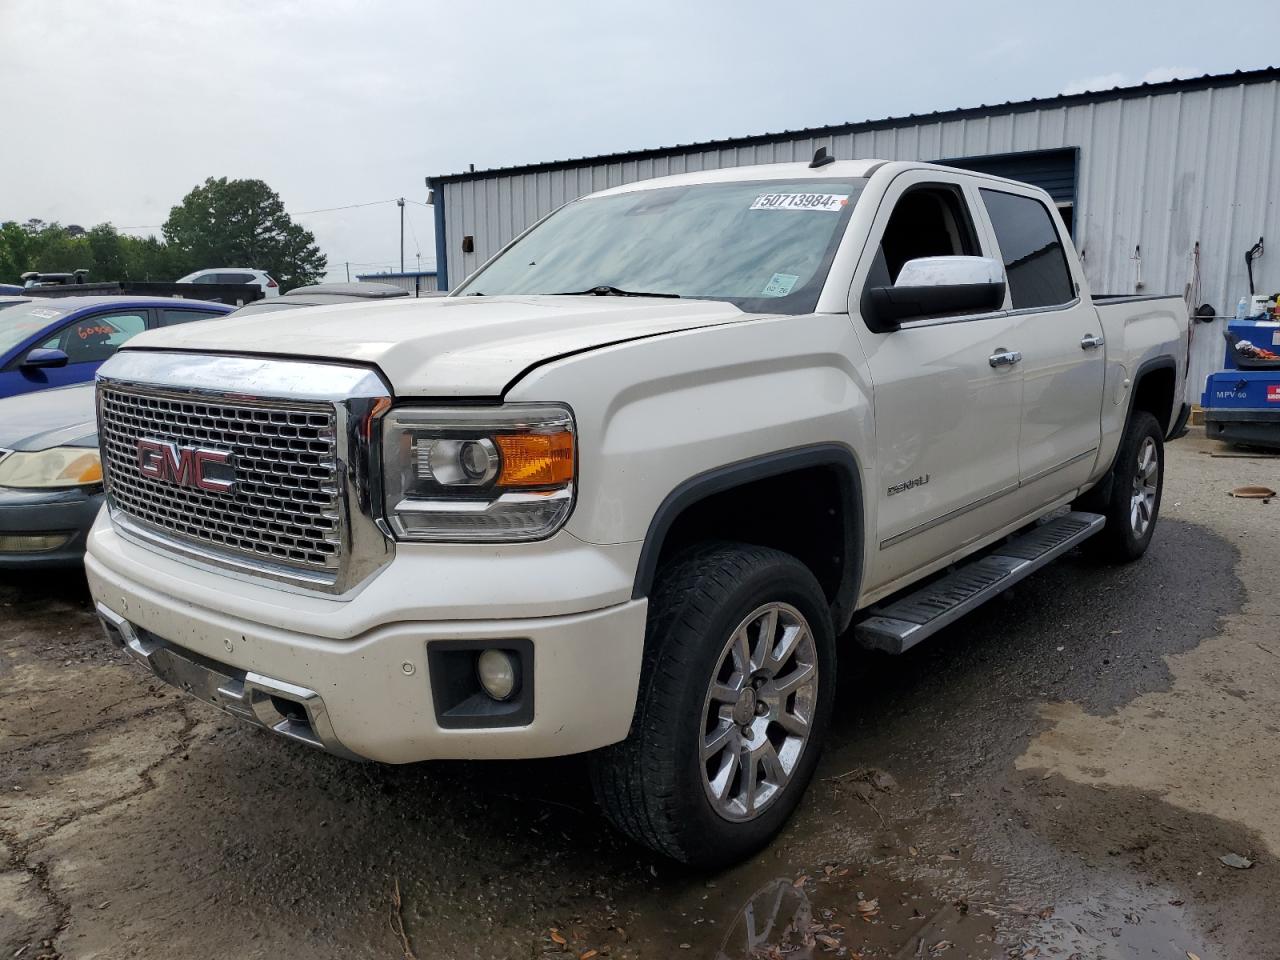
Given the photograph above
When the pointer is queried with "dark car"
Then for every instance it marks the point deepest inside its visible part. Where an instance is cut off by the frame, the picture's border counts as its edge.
(59, 341)
(50, 476)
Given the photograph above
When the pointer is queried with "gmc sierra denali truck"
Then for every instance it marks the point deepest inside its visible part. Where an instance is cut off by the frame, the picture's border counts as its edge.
(622, 490)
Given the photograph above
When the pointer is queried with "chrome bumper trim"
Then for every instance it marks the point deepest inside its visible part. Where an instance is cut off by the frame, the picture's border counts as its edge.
(246, 695)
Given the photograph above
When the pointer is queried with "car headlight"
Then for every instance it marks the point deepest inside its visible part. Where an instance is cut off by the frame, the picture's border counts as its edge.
(55, 467)
(490, 474)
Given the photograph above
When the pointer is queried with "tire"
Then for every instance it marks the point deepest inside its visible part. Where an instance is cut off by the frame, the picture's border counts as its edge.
(1130, 523)
(655, 786)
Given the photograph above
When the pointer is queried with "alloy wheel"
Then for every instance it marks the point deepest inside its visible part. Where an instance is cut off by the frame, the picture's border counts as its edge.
(758, 711)
(1142, 502)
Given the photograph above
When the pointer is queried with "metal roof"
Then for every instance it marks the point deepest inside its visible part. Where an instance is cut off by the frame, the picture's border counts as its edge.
(1206, 82)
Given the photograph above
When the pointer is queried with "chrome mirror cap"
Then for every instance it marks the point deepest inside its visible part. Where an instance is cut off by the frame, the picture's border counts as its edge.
(950, 271)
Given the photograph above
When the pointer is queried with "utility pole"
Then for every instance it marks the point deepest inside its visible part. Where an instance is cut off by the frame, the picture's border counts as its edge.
(400, 203)
(348, 271)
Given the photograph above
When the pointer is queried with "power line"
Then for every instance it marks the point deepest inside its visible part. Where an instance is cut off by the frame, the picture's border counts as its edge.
(349, 206)
(302, 213)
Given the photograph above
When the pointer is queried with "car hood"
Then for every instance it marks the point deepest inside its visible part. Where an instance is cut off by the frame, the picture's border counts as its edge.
(446, 346)
(61, 417)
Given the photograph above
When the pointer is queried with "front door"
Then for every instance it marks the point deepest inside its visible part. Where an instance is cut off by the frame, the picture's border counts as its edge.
(88, 341)
(946, 418)
(1060, 338)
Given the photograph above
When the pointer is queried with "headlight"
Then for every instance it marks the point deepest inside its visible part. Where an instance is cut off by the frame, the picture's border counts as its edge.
(55, 467)
(496, 474)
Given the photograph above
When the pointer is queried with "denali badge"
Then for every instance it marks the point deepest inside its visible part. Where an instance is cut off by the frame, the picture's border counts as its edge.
(908, 484)
(196, 467)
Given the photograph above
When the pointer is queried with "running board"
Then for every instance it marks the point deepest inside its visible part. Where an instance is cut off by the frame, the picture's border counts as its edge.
(904, 623)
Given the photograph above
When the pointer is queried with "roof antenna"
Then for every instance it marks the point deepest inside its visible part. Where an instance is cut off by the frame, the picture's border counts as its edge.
(821, 158)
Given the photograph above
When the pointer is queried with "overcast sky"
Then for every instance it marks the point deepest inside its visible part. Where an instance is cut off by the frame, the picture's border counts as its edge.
(113, 109)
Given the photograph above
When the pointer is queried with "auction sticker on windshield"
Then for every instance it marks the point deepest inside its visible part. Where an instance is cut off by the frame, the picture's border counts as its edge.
(823, 202)
(779, 285)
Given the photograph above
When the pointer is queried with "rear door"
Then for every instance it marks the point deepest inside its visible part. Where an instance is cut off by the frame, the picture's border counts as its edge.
(946, 418)
(1060, 338)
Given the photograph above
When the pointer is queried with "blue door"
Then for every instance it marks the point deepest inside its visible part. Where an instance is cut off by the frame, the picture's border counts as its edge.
(88, 340)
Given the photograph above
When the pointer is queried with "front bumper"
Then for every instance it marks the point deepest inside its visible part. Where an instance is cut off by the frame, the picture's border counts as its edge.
(68, 513)
(362, 687)
(284, 708)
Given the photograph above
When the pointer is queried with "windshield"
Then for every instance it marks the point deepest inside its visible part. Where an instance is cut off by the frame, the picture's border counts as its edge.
(763, 245)
(19, 323)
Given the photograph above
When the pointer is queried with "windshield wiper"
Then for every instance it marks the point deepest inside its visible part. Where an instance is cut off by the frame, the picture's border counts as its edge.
(606, 291)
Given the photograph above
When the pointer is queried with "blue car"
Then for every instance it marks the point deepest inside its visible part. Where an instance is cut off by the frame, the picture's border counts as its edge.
(57, 341)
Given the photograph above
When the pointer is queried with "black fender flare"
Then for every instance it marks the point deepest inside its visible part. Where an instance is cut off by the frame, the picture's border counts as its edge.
(721, 479)
(1103, 486)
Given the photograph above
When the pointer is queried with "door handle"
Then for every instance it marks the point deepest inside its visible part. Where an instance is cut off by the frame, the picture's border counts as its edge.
(1004, 358)
(1091, 342)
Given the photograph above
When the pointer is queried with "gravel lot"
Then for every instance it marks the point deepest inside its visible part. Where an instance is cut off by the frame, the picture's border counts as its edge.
(1056, 775)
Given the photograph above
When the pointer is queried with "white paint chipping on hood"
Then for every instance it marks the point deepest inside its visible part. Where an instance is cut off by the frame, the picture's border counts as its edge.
(445, 346)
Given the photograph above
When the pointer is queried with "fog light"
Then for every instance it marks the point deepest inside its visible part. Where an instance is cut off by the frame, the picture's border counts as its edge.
(32, 542)
(497, 672)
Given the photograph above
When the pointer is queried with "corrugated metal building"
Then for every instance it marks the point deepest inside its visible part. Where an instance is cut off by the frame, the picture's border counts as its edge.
(1165, 186)
(416, 282)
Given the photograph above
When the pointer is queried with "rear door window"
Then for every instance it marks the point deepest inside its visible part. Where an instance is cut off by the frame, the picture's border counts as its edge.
(236, 278)
(1034, 261)
(169, 318)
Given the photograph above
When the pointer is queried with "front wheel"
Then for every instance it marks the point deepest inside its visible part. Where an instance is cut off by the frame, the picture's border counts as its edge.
(735, 697)
(1132, 502)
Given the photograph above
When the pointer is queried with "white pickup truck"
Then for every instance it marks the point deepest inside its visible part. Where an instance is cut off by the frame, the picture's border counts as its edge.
(623, 489)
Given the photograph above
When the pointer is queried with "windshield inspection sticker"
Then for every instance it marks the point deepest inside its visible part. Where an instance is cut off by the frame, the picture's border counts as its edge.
(779, 285)
(824, 202)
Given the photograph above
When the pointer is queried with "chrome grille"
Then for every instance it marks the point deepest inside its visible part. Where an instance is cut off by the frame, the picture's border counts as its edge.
(285, 509)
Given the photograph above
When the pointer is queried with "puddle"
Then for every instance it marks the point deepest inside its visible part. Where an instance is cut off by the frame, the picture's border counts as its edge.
(842, 911)
(845, 915)
(1113, 929)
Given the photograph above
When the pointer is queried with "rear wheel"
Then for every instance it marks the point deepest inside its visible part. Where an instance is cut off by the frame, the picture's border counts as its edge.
(1130, 498)
(735, 697)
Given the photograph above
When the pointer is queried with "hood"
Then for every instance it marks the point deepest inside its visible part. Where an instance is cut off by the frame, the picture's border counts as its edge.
(61, 417)
(445, 346)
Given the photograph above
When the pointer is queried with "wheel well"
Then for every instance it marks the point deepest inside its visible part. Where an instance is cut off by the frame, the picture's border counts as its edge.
(1154, 394)
(810, 512)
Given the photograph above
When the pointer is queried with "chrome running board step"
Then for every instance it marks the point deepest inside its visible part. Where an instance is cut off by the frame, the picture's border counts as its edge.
(902, 624)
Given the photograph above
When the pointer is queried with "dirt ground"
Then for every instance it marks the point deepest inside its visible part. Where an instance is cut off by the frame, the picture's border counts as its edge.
(1058, 775)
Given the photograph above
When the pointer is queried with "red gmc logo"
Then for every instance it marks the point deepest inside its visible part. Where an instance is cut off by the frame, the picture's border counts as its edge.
(185, 466)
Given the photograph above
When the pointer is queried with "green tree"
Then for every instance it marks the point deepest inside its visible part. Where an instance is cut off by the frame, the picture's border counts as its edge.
(104, 252)
(243, 223)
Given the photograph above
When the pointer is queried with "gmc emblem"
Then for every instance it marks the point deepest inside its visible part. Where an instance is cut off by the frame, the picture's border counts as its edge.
(196, 467)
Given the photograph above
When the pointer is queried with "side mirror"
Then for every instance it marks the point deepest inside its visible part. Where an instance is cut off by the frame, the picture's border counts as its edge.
(40, 358)
(935, 287)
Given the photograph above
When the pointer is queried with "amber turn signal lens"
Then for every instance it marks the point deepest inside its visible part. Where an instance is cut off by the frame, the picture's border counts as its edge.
(86, 469)
(535, 459)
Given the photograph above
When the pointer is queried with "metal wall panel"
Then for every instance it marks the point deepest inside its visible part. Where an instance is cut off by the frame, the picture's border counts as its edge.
(1156, 175)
